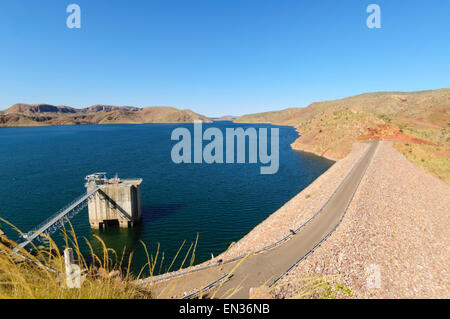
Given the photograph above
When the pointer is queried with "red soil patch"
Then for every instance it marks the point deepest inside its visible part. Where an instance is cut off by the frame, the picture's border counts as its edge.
(388, 132)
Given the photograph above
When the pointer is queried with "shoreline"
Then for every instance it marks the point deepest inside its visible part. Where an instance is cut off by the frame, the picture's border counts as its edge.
(298, 146)
(83, 124)
(302, 150)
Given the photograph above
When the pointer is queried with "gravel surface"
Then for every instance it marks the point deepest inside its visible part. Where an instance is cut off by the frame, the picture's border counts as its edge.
(394, 240)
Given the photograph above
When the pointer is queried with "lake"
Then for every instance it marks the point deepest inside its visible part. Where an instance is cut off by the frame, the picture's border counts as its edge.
(42, 169)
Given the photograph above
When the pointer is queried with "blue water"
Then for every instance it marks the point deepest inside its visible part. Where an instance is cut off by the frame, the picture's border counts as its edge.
(43, 168)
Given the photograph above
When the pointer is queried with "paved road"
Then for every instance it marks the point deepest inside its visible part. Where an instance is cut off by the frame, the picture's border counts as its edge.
(264, 267)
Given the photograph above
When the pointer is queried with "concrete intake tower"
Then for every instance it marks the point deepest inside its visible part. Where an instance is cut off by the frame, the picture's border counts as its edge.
(116, 203)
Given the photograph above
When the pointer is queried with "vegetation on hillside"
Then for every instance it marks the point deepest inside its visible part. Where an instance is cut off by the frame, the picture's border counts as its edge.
(421, 119)
(432, 158)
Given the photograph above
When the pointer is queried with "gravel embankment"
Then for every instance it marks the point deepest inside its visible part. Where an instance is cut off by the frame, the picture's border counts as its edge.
(398, 223)
(294, 213)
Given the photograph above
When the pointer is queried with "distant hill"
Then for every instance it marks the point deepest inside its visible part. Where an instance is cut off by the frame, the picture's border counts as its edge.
(420, 121)
(44, 114)
(33, 109)
(108, 108)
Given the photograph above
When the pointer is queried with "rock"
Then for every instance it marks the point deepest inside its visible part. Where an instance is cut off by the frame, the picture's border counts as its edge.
(101, 272)
(262, 292)
(114, 273)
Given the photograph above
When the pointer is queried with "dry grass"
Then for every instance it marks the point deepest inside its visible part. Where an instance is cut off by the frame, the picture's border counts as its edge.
(106, 275)
(317, 287)
(433, 159)
(311, 287)
(32, 278)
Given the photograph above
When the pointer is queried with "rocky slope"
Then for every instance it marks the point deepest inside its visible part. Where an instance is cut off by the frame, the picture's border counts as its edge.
(330, 128)
(45, 114)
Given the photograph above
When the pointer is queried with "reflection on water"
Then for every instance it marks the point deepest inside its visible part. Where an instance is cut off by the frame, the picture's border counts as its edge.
(154, 212)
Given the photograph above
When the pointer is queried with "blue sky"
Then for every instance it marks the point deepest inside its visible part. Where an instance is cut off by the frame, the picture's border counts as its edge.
(219, 57)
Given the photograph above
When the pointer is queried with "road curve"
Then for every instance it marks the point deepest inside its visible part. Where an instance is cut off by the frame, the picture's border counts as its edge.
(264, 268)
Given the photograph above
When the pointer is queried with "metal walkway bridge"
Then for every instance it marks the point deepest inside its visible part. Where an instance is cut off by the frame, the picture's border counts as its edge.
(55, 222)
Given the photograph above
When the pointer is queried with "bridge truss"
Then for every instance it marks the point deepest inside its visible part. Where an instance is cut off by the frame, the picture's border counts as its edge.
(55, 222)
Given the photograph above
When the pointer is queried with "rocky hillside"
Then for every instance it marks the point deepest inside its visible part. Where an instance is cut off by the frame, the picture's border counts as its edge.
(45, 114)
(419, 121)
(34, 109)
